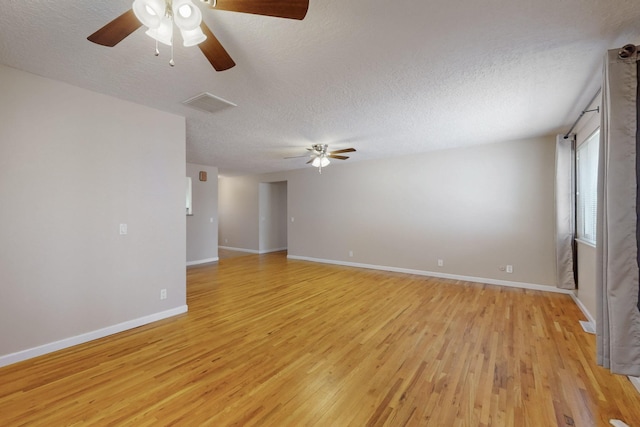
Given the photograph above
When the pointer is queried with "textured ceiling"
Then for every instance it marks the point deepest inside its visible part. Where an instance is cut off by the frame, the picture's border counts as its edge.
(386, 77)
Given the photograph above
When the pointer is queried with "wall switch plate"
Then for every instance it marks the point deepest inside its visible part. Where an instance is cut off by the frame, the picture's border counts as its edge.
(292, 219)
(163, 294)
(509, 268)
(440, 263)
(123, 229)
(350, 253)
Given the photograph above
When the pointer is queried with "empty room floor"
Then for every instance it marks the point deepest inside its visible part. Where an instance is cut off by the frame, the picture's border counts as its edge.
(270, 341)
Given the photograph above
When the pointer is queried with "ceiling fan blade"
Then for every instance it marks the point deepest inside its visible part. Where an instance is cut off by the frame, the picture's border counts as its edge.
(344, 150)
(296, 157)
(291, 9)
(116, 31)
(309, 161)
(213, 50)
(333, 156)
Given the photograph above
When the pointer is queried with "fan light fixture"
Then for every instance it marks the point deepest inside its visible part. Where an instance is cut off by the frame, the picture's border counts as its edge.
(320, 155)
(321, 158)
(160, 15)
(320, 162)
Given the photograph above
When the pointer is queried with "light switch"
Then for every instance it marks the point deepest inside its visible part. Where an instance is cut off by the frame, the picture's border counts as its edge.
(123, 229)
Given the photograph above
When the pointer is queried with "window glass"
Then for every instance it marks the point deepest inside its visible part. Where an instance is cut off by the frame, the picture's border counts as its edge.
(587, 187)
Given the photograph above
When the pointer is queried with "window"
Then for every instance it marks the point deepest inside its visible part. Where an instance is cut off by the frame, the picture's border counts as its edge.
(587, 188)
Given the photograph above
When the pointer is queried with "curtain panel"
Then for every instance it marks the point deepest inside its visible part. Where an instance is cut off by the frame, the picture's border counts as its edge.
(565, 212)
(617, 285)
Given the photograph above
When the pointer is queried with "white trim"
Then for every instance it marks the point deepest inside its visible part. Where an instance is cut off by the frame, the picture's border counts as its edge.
(202, 261)
(89, 336)
(532, 286)
(636, 382)
(586, 242)
(268, 251)
(251, 251)
(584, 309)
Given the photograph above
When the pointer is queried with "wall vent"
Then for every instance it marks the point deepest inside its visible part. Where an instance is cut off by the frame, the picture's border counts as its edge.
(208, 102)
(588, 327)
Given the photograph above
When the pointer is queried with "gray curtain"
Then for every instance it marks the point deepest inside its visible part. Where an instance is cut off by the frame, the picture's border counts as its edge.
(617, 286)
(565, 211)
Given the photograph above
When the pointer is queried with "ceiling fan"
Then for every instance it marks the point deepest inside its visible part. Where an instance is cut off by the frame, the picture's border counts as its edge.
(160, 15)
(320, 155)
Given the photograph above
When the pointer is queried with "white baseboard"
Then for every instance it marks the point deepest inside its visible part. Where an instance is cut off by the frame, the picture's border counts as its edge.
(268, 251)
(89, 336)
(202, 261)
(532, 286)
(251, 251)
(584, 310)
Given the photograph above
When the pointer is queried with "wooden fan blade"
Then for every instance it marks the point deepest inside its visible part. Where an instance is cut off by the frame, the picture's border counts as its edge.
(291, 9)
(116, 31)
(213, 50)
(344, 150)
(333, 156)
(309, 161)
(296, 157)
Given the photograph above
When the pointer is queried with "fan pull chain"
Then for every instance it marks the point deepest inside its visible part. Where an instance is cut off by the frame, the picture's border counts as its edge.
(157, 51)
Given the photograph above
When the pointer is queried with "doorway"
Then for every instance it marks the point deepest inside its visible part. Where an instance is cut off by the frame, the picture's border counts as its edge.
(272, 205)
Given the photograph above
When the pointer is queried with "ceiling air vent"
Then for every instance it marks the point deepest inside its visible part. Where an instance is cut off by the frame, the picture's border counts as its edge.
(208, 102)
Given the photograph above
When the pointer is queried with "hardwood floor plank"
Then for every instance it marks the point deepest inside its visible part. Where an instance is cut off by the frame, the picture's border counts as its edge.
(271, 341)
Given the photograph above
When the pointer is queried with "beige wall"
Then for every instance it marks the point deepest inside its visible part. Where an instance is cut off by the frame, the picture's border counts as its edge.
(73, 166)
(202, 226)
(272, 199)
(239, 210)
(477, 209)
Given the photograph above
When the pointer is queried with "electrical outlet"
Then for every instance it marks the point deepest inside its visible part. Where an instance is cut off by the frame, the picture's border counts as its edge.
(509, 268)
(440, 263)
(350, 253)
(163, 294)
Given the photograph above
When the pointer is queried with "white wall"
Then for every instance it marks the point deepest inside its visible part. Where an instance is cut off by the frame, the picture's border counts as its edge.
(73, 166)
(476, 208)
(202, 226)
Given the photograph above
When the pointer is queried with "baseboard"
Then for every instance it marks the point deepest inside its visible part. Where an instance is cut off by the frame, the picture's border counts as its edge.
(268, 251)
(636, 382)
(30, 353)
(532, 286)
(251, 251)
(202, 261)
(584, 310)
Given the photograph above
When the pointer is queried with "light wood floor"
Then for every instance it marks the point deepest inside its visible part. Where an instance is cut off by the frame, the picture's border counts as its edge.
(229, 253)
(274, 342)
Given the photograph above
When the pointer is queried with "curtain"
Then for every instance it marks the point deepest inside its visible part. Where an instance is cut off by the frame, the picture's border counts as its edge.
(565, 211)
(617, 286)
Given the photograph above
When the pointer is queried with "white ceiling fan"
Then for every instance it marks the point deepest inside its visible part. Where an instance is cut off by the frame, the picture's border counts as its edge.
(320, 155)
